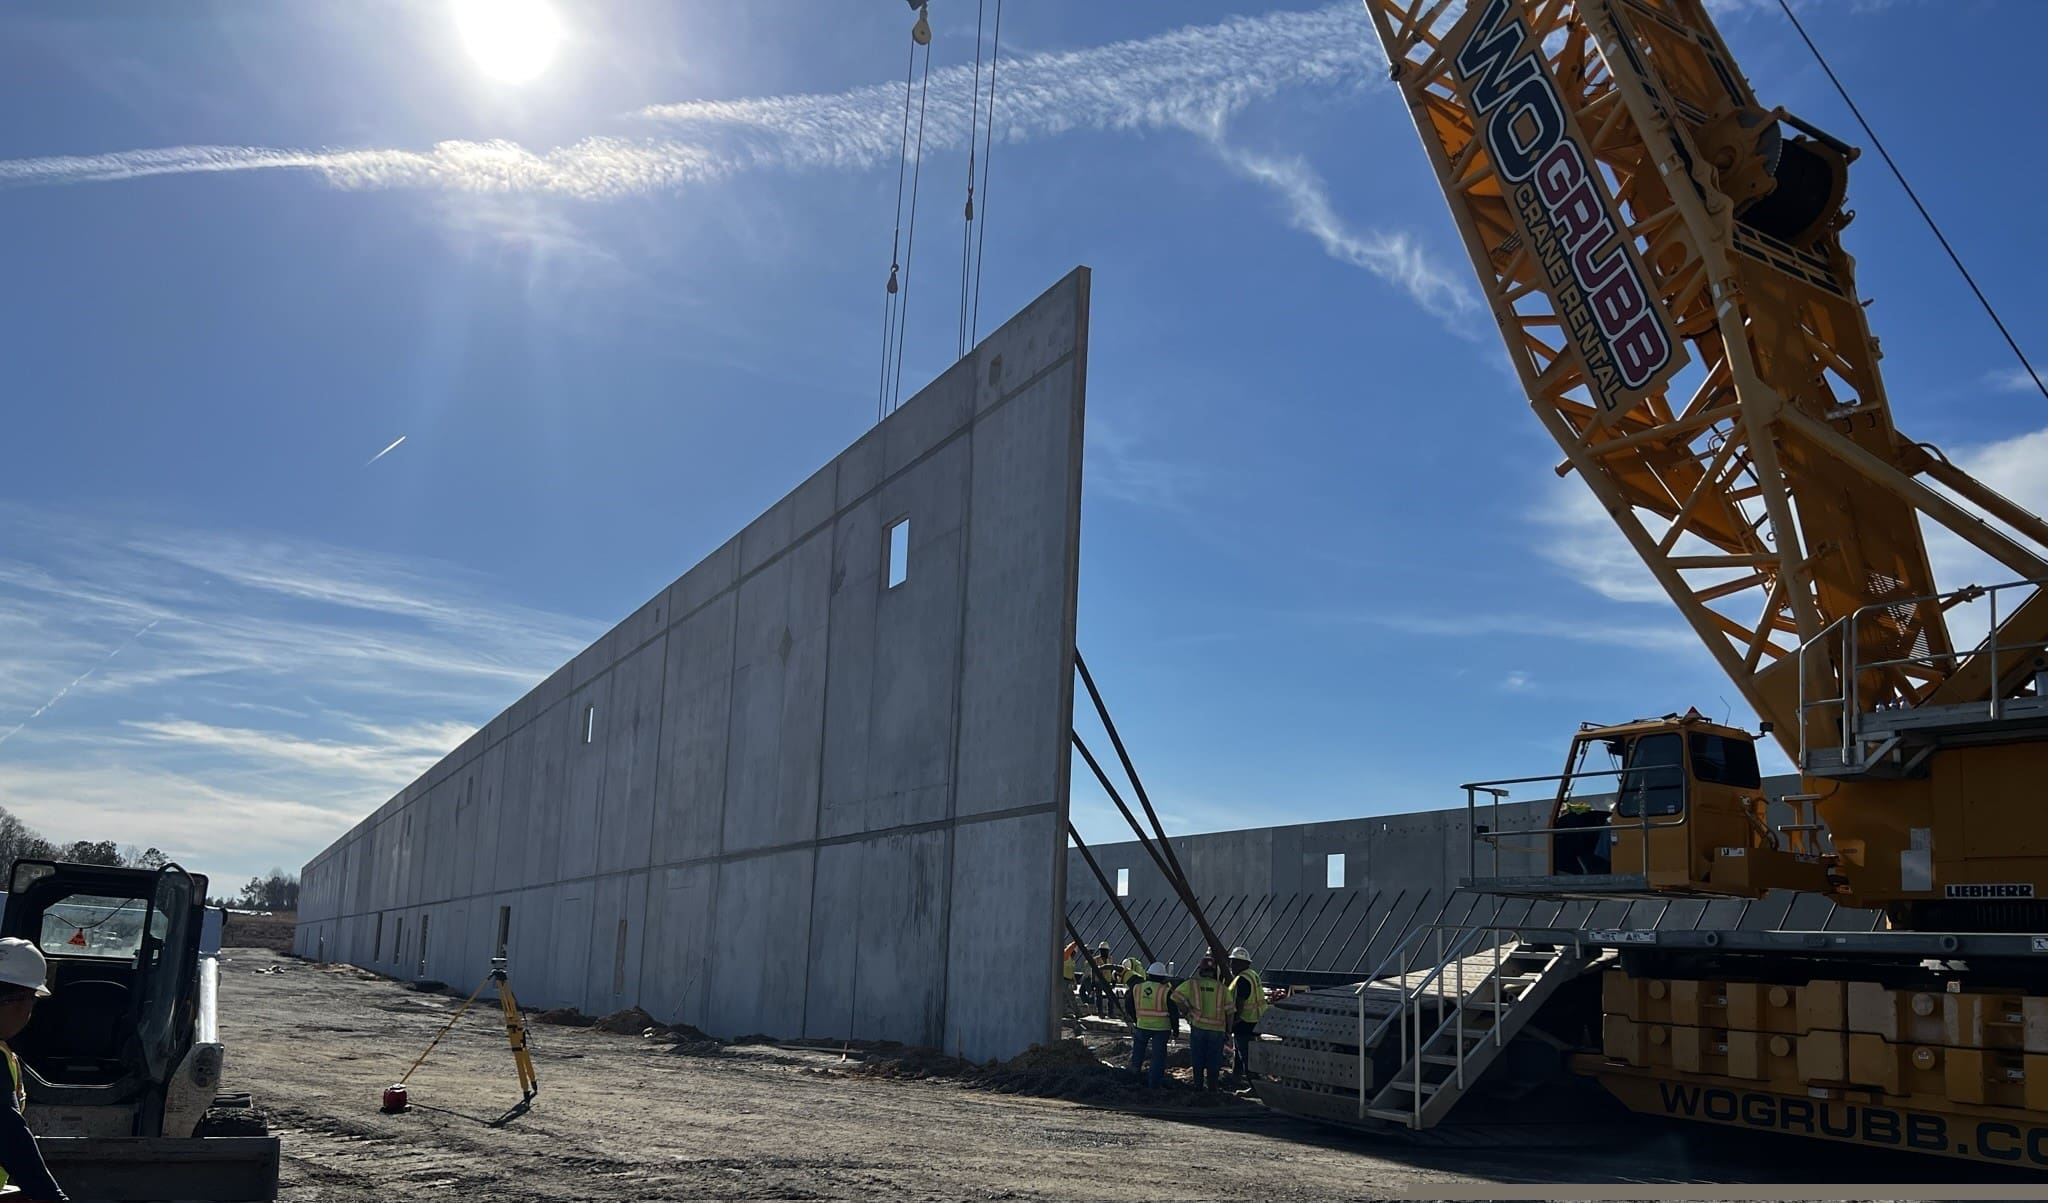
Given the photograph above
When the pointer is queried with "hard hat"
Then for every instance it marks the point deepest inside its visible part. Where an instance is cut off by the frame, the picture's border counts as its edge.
(22, 964)
(1156, 969)
(1239, 954)
(1104, 946)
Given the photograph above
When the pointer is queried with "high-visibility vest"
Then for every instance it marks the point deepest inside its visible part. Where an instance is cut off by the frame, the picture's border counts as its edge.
(1151, 999)
(1202, 999)
(1254, 1004)
(1067, 969)
(20, 1091)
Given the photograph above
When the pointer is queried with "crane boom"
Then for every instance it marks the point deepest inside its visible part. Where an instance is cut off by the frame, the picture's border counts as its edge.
(1663, 256)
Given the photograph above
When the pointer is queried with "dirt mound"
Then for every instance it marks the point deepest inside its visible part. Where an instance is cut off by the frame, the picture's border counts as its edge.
(630, 1022)
(914, 1064)
(568, 1017)
(1065, 1055)
(1066, 1070)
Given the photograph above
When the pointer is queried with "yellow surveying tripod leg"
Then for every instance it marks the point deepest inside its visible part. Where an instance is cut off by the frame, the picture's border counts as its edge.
(515, 1032)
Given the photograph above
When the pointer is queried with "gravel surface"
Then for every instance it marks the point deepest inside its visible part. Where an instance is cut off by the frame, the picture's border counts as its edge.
(624, 1117)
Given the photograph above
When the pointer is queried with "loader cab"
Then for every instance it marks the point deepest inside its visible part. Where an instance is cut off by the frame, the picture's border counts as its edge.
(123, 952)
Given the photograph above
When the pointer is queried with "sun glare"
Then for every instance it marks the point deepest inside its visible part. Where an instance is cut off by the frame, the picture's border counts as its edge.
(511, 40)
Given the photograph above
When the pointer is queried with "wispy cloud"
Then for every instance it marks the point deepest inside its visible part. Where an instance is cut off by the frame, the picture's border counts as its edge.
(1393, 256)
(1193, 79)
(1580, 538)
(1124, 469)
(2011, 380)
(1648, 637)
(269, 691)
(387, 451)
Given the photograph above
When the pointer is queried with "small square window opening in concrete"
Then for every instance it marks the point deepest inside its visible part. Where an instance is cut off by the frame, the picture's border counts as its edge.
(590, 724)
(1123, 883)
(504, 929)
(899, 552)
(1333, 870)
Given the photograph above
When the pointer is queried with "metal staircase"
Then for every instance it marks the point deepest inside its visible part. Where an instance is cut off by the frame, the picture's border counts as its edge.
(1406, 1044)
(1452, 1029)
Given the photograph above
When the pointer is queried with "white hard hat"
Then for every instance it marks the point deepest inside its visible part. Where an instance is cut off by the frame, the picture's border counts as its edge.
(1156, 969)
(22, 964)
(1239, 954)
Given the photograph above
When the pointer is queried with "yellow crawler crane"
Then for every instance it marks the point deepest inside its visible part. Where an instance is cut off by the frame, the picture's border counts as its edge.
(1663, 256)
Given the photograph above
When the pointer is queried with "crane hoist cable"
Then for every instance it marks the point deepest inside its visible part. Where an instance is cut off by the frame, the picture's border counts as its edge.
(987, 152)
(895, 244)
(910, 232)
(967, 225)
(1913, 196)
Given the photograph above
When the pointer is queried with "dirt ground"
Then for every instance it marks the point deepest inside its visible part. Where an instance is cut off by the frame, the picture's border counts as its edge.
(622, 1118)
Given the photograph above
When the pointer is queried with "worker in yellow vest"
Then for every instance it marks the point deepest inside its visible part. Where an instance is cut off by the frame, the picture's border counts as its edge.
(1070, 968)
(1148, 1004)
(1248, 995)
(23, 973)
(1208, 1007)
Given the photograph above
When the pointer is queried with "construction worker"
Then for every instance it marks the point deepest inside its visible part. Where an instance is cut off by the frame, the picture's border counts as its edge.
(22, 981)
(1248, 997)
(1208, 1009)
(1133, 971)
(1148, 1004)
(1070, 969)
(1105, 977)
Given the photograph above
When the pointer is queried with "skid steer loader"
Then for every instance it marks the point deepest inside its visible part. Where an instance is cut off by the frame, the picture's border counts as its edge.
(123, 1062)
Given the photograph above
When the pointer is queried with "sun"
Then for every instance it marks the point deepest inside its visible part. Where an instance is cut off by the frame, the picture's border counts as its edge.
(511, 40)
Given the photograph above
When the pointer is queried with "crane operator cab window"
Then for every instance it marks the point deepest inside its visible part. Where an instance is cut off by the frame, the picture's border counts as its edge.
(1616, 783)
(1652, 781)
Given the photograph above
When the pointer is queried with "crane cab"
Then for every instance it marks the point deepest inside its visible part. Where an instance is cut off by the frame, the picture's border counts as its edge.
(1673, 804)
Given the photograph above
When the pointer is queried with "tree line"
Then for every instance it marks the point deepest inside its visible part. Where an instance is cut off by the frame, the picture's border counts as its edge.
(274, 891)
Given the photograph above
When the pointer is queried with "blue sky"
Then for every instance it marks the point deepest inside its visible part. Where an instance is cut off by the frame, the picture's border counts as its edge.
(618, 309)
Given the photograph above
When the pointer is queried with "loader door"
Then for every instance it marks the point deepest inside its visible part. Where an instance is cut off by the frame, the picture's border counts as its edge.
(166, 972)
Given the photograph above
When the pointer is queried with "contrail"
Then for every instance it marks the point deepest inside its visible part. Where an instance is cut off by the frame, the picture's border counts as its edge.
(387, 451)
(59, 695)
(1193, 79)
(1197, 74)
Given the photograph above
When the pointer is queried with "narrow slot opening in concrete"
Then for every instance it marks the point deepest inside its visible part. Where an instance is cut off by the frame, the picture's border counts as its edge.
(424, 919)
(1333, 870)
(398, 942)
(619, 961)
(589, 724)
(504, 928)
(377, 942)
(1123, 883)
(899, 552)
